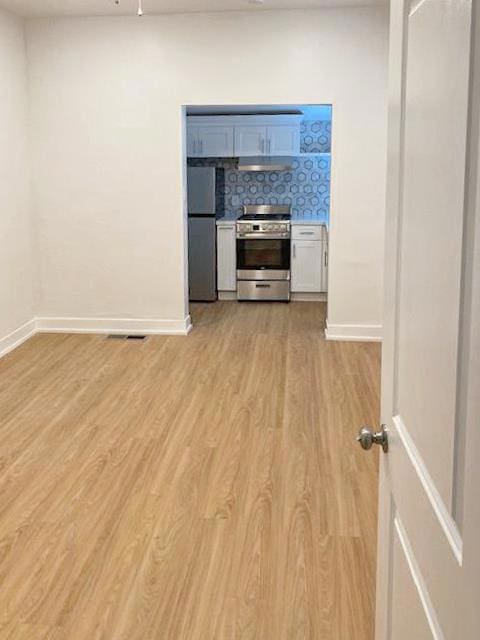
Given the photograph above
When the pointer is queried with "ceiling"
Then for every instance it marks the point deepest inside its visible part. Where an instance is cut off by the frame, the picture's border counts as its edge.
(47, 8)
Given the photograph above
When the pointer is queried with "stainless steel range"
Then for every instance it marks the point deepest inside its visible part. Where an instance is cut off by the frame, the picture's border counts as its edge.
(263, 253)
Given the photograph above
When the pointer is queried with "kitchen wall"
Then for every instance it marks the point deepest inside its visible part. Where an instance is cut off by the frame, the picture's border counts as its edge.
(16, 225)
(306, 187)
(108, 136)
(315, 136)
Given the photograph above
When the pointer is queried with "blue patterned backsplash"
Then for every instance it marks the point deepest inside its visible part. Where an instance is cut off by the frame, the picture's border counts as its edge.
(306, 187)
(316, 136)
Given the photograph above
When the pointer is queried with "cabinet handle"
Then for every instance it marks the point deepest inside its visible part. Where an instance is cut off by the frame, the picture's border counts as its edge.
(294, 250)
(201, 147)
(306, 233)
(269, 145)
(262, 146)
(194, 147)
(326, 259)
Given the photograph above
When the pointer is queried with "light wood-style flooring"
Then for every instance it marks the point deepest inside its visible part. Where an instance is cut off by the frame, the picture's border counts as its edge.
(206, 487)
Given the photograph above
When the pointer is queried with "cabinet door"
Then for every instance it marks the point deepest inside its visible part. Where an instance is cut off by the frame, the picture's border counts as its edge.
(324, 288)
(306, 270)
(192, 141)
(226, 258)
(250, 140)
(283, 139)
(215, 142)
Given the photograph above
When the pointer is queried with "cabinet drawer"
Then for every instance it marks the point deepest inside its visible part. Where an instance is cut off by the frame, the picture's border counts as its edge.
(308, 232)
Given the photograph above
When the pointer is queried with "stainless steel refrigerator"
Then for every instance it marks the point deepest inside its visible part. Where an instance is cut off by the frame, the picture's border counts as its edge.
(203, 206)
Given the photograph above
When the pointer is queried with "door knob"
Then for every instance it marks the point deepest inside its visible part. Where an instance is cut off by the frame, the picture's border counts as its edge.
(366, 437)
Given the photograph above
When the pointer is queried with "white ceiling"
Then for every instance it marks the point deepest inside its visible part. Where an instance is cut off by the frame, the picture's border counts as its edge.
(46, 8)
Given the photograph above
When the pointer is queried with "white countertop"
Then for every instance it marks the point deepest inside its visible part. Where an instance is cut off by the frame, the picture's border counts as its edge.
(317, 219)
(231, 217)
(227, 220)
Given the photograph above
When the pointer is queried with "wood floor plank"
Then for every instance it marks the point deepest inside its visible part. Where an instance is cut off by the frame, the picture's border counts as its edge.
(190, 488)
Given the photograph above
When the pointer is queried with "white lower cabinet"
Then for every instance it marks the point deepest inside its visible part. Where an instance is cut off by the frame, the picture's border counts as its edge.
(309, 260)
(226, 257)
(324, 288)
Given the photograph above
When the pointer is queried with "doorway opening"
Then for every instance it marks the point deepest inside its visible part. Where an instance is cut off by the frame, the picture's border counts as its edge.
(258, 185)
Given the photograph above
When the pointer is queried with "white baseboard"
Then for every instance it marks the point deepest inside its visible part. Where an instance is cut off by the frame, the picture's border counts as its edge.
(129, 326)
(93, 325)
(354, 332)
(17, 337)
(227, 295)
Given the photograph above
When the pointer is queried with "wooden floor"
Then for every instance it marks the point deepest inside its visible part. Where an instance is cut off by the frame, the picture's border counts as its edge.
(189, 488)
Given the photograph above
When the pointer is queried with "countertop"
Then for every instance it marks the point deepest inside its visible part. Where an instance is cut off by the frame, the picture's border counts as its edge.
(227, 219)
(321, 218)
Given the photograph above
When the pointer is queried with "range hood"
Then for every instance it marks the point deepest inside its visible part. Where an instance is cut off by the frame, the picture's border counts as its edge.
(265, 163)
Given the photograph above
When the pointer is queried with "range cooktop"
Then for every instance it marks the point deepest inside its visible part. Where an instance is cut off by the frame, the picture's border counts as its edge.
(265, 216)
(260, 212)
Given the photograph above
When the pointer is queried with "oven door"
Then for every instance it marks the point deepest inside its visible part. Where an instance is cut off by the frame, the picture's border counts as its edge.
(263, 258)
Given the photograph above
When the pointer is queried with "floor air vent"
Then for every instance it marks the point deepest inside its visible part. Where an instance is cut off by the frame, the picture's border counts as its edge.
(119, 336)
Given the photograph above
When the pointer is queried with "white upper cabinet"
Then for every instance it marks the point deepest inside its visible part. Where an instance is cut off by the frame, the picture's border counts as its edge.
(216, 141)
(283, 140)
(209, 141)
(192, 141)
(250, 140)
(235, 136)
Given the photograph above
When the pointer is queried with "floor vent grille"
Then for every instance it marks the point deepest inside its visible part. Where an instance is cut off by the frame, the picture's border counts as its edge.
(121, 336)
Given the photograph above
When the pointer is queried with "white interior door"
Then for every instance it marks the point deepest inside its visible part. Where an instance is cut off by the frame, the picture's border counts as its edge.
(429, 531)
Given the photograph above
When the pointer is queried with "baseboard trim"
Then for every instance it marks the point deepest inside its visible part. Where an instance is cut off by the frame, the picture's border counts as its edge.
(353, 332)
(227, 295)
(17, 337)
(114, 325)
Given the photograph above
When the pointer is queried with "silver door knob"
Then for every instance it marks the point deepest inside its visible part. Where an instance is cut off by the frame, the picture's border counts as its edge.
(367, 438)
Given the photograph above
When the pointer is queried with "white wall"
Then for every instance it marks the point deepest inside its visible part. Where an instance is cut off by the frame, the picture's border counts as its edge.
(16, 229)
(107, 135)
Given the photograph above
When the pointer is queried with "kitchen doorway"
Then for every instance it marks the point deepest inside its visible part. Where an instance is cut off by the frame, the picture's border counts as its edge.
(258, 177)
